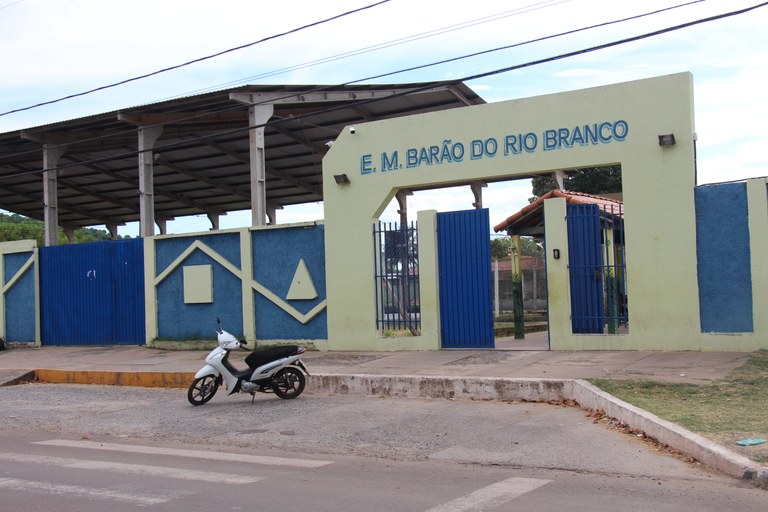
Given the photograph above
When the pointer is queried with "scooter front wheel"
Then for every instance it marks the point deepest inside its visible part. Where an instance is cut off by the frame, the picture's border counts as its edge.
(288, 382)
(202, 390)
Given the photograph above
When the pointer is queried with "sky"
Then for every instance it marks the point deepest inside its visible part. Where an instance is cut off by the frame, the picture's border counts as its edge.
(54, 48)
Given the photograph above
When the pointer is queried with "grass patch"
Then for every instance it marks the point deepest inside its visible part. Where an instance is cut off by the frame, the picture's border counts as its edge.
(725, 410)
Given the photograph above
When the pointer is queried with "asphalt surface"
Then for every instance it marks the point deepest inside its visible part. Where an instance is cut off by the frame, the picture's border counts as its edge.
(501, 375)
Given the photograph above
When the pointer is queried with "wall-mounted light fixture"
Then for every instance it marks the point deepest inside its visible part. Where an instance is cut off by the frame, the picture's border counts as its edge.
(341, 179)
(667, 140)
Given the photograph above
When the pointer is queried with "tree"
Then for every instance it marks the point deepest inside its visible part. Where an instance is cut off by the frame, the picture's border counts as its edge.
(589, 180)
(501, 246)
(17, 227)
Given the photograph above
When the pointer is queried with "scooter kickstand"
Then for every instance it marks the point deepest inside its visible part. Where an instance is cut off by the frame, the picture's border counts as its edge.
(253, 397)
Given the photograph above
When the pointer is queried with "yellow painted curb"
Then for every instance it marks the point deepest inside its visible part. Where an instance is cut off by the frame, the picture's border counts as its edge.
(137, 379)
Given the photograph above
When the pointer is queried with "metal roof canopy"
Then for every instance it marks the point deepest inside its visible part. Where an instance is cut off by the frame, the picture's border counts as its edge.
(200, 163)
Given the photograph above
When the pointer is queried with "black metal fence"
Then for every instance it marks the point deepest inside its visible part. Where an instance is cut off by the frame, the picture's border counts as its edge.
(396, 263)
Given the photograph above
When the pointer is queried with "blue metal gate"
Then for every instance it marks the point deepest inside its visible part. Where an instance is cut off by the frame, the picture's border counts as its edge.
(585, 265)
(93, 294)
(597, 269)
(464, 262)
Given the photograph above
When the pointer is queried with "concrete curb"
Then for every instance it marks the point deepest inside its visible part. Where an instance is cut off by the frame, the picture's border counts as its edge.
(700, 448)
(137, 379)
(581, 392)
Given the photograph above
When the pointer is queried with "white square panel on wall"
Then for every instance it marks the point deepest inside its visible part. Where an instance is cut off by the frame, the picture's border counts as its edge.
(198, 284)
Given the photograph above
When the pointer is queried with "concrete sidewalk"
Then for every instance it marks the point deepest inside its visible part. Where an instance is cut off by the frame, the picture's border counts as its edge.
(498, 374)
(686, 367)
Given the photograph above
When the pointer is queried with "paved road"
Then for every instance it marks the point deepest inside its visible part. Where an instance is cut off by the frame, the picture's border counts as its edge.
(89, 447)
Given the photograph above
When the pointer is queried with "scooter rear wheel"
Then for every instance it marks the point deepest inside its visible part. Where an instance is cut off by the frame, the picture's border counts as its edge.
(202, 390)
(288, 382)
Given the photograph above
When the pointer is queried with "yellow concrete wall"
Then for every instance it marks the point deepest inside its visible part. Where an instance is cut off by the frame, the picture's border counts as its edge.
(658, 187)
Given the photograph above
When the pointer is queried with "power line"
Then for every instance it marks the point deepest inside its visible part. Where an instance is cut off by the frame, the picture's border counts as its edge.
(195, 61)
(427, 87)
(10, 4)
(423, 66)
(530, 41)
(397, 42)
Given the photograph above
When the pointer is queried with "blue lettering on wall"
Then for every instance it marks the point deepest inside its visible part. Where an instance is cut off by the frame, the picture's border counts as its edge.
(411, 157)
(594, 134)
(390, 162)
(516, 144)
(366, 164)
(484, 148)
(449, 151)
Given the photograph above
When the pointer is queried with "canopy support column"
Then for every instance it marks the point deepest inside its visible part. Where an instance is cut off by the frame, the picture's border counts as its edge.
(477, 191)
(257, 117)
(51, 157)
(403, 206)
(147, 138)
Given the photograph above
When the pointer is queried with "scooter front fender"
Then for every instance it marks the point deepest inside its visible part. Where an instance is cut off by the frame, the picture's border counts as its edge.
(207, 370)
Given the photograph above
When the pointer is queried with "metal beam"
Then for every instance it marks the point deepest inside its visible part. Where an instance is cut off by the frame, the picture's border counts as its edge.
(147, 120)
(212, 182)
(273, 173)
(319, 148)
(98, 195)
(279, 97)
(159, 191)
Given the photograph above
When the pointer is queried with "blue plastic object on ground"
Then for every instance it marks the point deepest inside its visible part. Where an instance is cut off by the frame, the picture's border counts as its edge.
(750, 442)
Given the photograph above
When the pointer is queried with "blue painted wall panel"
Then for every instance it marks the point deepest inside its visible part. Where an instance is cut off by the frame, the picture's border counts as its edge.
(723, 252)
(276, 255)
(168, 249)
(179, 321)
(20, 310)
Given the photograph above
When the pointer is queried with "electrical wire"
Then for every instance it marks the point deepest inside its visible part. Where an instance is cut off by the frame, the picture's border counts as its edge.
(444, 83)
(10, 4)
(195, 61)
(395, 42)
(383, 75)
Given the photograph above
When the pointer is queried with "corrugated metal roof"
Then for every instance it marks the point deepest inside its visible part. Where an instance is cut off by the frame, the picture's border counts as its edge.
(202, 157)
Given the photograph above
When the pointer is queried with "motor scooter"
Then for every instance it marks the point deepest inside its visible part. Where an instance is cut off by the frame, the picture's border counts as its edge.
(277, 370)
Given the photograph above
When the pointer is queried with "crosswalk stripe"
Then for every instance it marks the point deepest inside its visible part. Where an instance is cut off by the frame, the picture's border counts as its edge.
(142, 499)
(198, 454)
(136, 469)
(493, 494)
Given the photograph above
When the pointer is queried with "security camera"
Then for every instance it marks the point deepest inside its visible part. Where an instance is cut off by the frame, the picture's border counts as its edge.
(352, 130)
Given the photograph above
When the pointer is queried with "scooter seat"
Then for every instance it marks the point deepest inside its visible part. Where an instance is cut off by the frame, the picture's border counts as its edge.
(261, 357)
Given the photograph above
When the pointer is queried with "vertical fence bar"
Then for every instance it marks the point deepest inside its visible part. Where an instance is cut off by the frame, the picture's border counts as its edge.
(396, 279)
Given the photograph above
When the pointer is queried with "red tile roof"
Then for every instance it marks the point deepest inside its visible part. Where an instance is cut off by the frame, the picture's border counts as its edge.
(526, 216)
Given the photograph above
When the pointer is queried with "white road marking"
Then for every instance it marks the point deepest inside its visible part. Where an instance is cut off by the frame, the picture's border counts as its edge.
(197, 454)
(83, 492)
(135, 469)
(494, 494)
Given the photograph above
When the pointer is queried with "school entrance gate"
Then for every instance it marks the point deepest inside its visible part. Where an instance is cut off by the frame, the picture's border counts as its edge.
(93, 294)
(464, 262)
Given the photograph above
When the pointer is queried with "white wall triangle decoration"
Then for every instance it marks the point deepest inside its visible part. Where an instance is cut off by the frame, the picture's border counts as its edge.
(302, 287)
